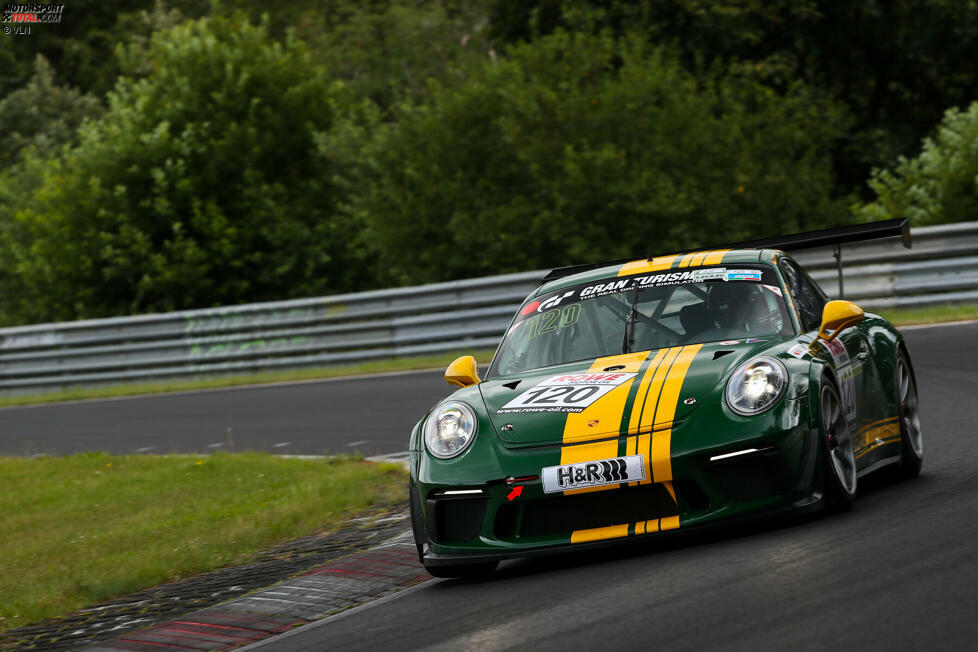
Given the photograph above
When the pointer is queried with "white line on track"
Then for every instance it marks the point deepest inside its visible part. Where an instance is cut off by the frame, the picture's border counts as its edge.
(357, 443)
(963, 322)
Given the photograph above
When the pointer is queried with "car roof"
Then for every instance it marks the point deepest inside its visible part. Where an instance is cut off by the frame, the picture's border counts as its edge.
(664, 263)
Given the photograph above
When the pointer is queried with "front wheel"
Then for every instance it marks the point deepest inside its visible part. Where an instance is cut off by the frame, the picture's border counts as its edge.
(911, 439)
(838, 456)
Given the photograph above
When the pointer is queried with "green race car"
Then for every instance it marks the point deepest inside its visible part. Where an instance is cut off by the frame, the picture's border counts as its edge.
(664, 393)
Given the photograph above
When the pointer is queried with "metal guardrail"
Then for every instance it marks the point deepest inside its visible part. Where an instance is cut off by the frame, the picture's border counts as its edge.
(941, 268)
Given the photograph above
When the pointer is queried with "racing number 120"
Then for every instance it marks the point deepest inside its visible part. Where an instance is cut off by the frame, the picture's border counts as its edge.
(562, 395)
(552, 319)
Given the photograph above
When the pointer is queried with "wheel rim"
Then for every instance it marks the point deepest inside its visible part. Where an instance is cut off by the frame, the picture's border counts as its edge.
(909, 414)
(839, 437)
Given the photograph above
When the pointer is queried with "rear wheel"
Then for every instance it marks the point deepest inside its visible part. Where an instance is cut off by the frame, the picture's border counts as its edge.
(463, 570)
(838, 455)
(911, 440)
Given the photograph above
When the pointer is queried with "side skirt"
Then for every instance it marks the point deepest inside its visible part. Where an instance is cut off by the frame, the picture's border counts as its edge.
(886, 461)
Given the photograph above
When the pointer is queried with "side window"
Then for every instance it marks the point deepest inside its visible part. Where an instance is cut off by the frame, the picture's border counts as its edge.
(807, 296)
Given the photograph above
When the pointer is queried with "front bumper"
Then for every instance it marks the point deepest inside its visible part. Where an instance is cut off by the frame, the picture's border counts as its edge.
(468, 512)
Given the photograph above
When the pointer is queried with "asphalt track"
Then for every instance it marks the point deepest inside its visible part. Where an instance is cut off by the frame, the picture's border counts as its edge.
(898, 572)
(373, 415)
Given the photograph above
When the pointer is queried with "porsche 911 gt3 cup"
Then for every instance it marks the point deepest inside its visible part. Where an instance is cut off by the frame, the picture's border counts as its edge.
(630, 399)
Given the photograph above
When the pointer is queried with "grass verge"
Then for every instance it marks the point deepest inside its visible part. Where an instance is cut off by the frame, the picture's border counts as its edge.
(930, 315)
(83, 529)
(133, 389)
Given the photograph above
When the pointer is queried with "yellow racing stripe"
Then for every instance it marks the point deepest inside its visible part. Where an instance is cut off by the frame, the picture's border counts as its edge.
(661, 452)
(648, 265)
(697, 259)
(668, 523)
(607, 412)
(654, 405)
(715, 257)
(599, 533)
(634, 420)
(648, 410)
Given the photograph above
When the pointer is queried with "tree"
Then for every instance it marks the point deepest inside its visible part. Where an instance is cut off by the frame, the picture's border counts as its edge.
(580, 147)
(941, 184)
(897, 65)
(42, 115)
(200, 186)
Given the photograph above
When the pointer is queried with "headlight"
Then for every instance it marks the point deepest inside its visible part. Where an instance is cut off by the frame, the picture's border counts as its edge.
(756, 386)
(450, 429)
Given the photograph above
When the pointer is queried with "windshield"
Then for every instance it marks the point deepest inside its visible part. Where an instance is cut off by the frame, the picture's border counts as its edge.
(640, 313)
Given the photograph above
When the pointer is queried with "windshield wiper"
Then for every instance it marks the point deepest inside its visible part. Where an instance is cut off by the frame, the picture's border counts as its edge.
(628, 340)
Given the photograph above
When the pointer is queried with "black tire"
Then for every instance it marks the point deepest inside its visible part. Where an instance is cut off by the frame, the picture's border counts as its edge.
(463, 570)
(911, 439)
(840, 479)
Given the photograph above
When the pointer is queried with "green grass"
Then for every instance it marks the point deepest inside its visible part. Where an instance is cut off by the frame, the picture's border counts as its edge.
(931, 315)
(132, 389)
(83, 529)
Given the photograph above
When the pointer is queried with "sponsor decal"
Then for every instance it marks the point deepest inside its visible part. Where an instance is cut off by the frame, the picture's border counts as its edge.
(530, 307)
(563, 304)
(798, 351)
(845, 374)
(772, 288)
(546, 304)
(743, 275)
(595, 473)
(754, 340)
(565, 393)
(714, 274)
(728, 342)
(606, 288)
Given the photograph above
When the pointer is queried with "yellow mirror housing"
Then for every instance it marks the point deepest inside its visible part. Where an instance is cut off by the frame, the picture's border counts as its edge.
(463, 372)
(838, 315)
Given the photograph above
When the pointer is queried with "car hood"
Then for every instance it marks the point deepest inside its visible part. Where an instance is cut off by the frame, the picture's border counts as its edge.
(625, 394)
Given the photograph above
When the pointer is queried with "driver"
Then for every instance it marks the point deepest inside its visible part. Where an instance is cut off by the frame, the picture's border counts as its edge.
(736, 305)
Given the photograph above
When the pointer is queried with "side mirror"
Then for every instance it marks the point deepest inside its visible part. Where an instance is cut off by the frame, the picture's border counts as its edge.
(463, 372)
(838, 315)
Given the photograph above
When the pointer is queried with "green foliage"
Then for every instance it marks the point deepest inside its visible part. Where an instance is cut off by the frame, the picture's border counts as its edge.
(941, 184)
(80, 46)
(897, 65)
(42, 115)
(582, 147)
(201, 186)
(313, 148)
(386, 51)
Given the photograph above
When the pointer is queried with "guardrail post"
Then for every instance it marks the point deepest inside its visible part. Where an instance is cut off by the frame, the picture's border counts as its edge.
(838, 267)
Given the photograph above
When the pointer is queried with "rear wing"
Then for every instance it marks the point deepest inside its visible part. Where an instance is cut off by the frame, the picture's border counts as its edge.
(835, 237)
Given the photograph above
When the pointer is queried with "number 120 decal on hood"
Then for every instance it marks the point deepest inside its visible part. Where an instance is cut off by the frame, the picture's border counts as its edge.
(565, 393)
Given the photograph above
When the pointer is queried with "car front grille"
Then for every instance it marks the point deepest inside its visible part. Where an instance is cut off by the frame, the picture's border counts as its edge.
(559, 514)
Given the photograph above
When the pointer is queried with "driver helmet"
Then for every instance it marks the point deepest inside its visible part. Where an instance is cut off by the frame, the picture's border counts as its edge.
(734, 304)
